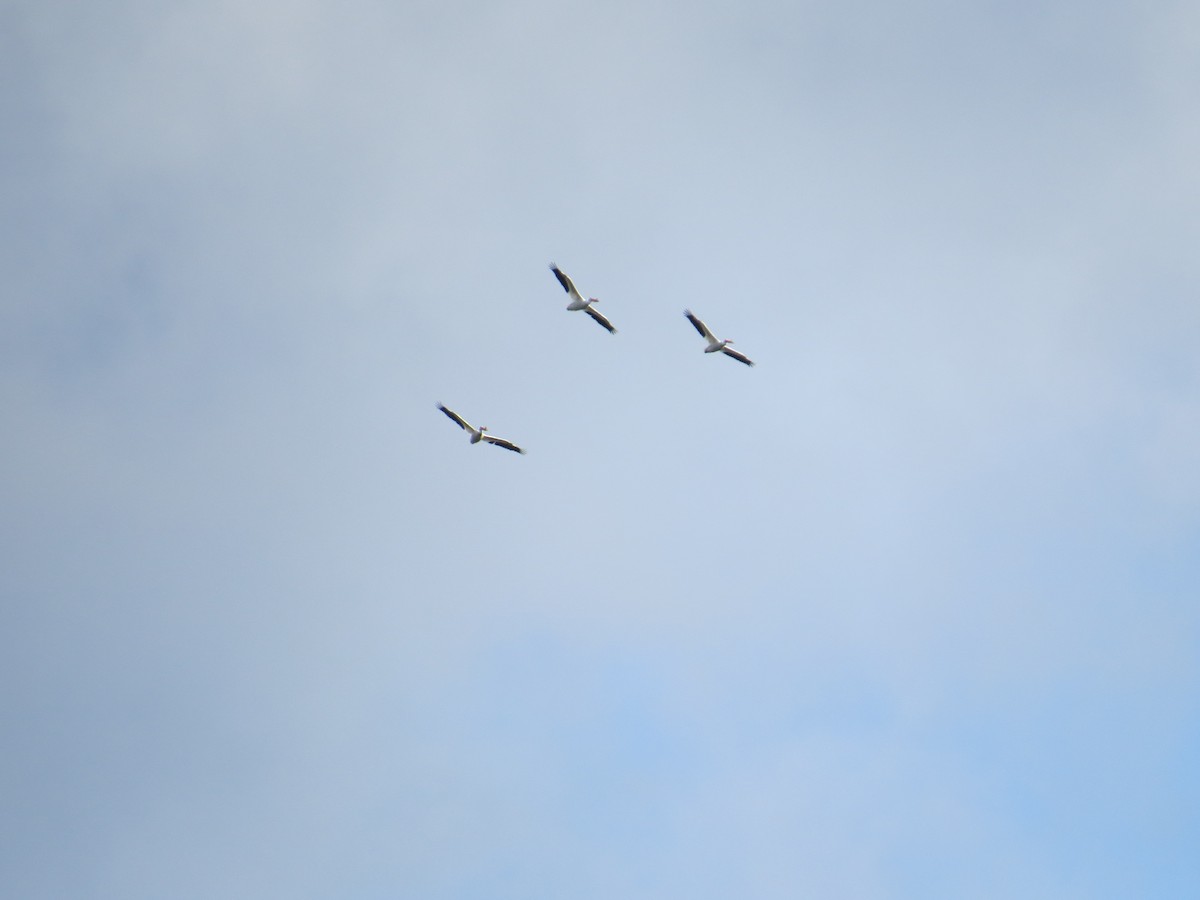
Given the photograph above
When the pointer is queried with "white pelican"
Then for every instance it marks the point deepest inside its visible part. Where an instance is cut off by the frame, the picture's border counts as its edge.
(713, 344)
(577, 301)
(480, 433)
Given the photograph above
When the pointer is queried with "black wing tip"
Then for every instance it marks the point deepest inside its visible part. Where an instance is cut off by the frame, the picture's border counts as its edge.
(502, 443)
(601, 321)
(696, 323)
(453, 416)
(561, 276)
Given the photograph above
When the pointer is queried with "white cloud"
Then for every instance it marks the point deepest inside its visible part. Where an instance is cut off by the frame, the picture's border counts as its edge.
(820, 625)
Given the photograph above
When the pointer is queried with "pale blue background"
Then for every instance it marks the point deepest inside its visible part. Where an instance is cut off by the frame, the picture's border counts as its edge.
(910, 610)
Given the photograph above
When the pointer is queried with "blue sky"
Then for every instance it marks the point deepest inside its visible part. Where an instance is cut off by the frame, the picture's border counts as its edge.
(907, 610)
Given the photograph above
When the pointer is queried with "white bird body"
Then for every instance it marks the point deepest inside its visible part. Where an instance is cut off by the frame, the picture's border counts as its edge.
(578, 301)
(480, 433)
(714, 344)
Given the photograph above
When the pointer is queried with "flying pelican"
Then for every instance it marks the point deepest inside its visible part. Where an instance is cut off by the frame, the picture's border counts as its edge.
(480, 433)
(577, 301)
(713, 344)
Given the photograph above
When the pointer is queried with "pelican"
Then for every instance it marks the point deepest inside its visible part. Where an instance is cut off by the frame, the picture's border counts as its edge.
(577, 301)
(480, 433)
(713, 344)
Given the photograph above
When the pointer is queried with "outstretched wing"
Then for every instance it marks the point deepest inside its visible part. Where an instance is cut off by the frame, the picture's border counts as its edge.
(501, 442)
(599, 317)
(740, 357)
(462, 423)
(700, 326)
(567, 284)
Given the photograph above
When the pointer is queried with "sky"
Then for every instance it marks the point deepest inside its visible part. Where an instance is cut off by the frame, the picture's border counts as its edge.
(907, 610)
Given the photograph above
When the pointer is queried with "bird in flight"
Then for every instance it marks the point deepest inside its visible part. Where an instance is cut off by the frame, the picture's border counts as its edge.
(480, 433)
(715, 345)
(578, 301)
